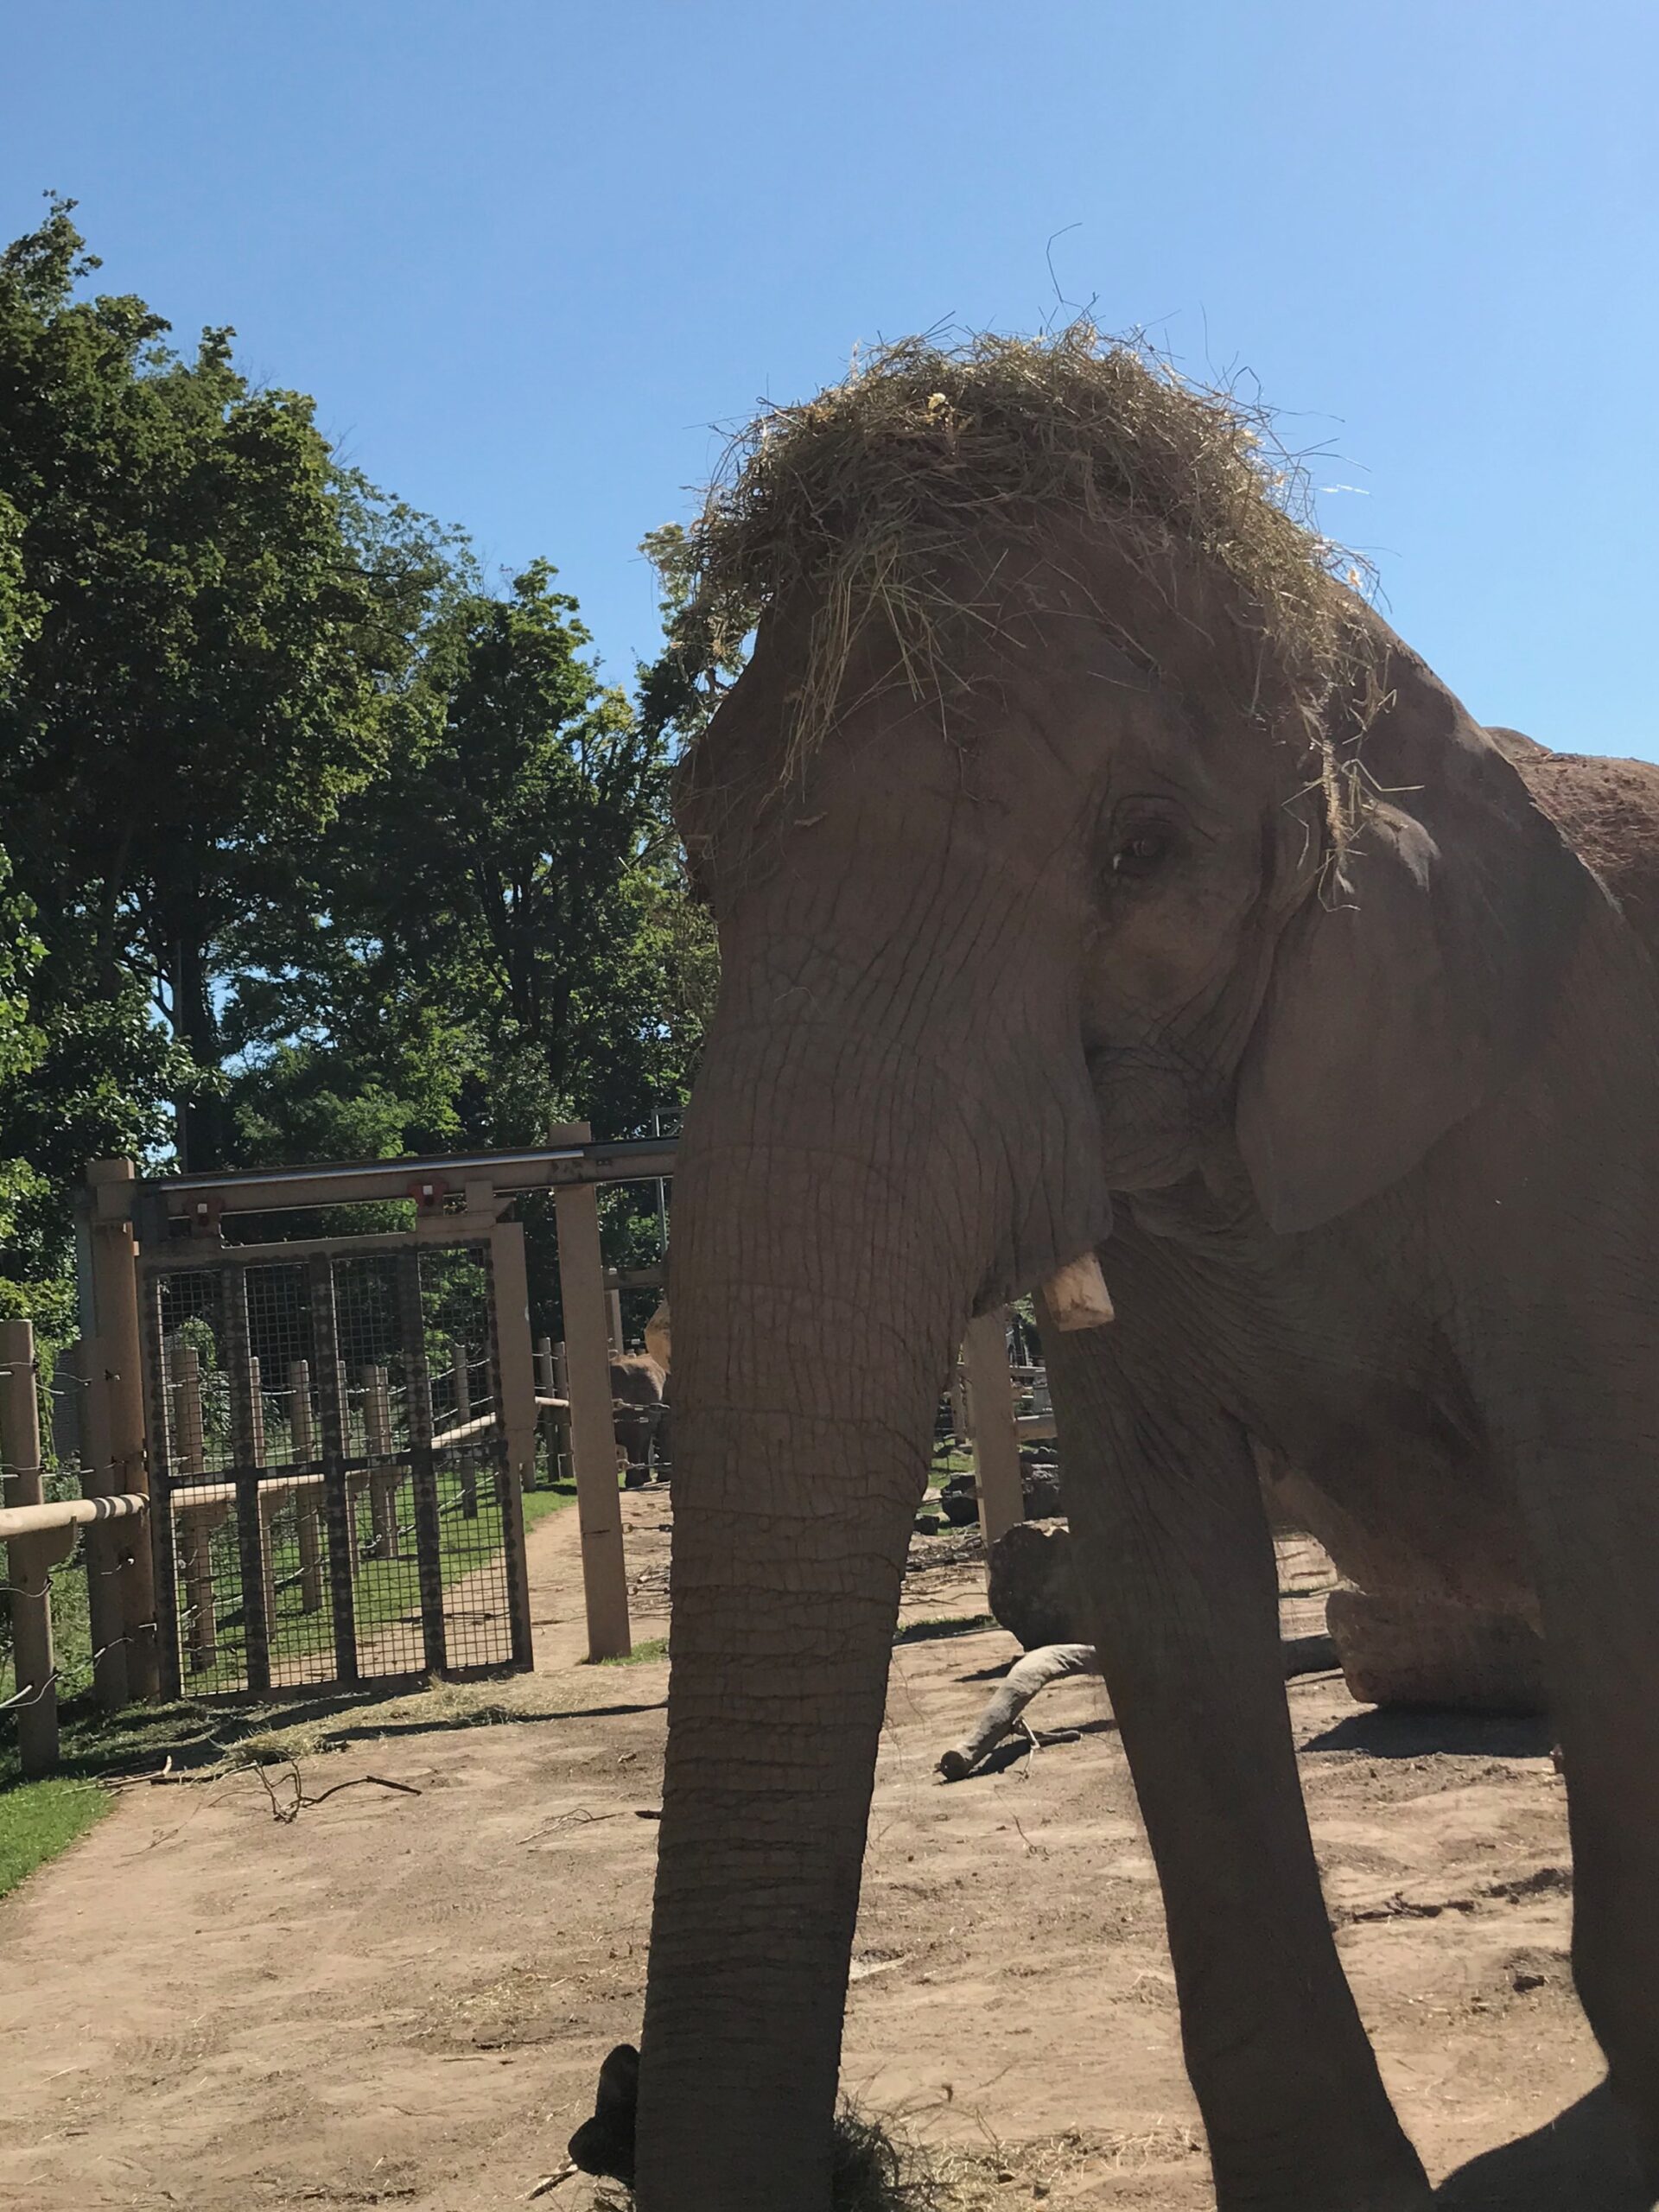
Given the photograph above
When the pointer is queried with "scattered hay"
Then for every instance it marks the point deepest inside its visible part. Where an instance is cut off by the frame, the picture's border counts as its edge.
(873, 2170)
(867, 497)
(880, 2167)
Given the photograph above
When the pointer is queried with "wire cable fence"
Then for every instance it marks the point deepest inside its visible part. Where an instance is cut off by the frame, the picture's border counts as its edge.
(329, 1468)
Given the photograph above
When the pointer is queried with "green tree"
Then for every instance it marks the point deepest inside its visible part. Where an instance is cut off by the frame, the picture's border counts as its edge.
(320, 846)
(222, 627)
(486, 928)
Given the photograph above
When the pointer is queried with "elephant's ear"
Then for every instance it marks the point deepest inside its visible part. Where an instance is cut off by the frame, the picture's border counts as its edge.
(1410, 984)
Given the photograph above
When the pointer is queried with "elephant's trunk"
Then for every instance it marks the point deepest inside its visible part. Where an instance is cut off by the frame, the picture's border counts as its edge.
(835, 1221)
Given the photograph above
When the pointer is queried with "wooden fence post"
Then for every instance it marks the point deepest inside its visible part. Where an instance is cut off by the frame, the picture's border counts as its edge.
(549, 1418)
(303, 1437)
(996, 1438)
(190, 1453)
(593, 1427)
(460, 1367)
(28, 1569)
(515, 1372)
(118, 1378)
(268, 1502)
(383, 1477)
(561, 1414)
(959, 1431)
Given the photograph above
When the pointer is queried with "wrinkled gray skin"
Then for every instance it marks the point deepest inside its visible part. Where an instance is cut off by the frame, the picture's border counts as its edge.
(1382, 1167)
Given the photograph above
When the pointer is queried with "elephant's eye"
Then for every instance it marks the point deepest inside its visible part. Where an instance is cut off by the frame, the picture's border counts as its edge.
(1143, 852)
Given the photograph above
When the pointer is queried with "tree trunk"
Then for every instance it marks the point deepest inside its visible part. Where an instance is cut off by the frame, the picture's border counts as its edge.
(200, 1118)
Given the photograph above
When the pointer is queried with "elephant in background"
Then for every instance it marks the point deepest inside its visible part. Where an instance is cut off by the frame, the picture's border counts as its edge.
(638, 1392)
(1096, 876)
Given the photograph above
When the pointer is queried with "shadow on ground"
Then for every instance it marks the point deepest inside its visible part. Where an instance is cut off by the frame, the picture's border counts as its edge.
(1582, 2161)
(1391, 1735)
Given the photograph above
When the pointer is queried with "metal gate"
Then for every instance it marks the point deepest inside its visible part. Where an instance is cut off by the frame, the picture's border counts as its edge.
(333, 1495)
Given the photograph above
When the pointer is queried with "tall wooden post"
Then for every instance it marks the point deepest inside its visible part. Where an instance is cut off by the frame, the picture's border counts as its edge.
(190, 1455)
(28, 1570)
(269, 1506)
(593, 1429)
(515, 1371)
(302, 1442)
(959, 1431)
(242, 1380)
(117, 1379)
(382, 1475)
(548, 1421)
(562, 1414)
(460, 1367)
(997, 1439)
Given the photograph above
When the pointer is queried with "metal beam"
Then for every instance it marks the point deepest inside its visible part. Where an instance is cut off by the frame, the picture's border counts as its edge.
(188, 1198)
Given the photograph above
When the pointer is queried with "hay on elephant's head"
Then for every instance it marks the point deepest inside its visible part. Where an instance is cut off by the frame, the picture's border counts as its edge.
(866, 498)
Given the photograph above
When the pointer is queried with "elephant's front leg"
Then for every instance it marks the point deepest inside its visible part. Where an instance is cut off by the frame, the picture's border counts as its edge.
(1178, 1564)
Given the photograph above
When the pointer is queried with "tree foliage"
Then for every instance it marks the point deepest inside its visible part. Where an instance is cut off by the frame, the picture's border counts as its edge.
(319, 845)
(491, 928)
(213, 658)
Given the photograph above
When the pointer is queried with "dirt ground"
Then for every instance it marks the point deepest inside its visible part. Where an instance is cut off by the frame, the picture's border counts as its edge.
(402, 2000)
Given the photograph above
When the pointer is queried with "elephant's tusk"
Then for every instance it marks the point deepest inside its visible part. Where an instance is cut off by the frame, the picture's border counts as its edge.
(1078, 1296)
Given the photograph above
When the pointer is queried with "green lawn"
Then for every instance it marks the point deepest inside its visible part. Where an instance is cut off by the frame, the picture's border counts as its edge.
(386, 1592)
(654, 1647)
(538, 1503)
(40, 1819)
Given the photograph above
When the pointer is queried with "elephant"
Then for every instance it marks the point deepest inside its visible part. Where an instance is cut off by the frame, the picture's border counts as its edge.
(639, 1389)
(1101, 883)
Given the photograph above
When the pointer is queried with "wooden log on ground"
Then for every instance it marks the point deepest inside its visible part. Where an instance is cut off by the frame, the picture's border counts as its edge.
(1052, 1662)
(1397, 1649)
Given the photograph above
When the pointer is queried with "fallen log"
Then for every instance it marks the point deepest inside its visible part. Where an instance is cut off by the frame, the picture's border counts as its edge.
(1053, 1662)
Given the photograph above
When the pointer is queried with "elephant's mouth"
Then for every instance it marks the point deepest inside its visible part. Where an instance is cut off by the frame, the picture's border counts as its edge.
(1155, 1111)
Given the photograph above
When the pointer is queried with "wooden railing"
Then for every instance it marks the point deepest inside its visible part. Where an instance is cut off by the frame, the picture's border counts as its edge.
(39, 1533)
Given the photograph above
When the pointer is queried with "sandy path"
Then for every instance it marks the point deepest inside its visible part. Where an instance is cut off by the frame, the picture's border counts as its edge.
(403, 2001)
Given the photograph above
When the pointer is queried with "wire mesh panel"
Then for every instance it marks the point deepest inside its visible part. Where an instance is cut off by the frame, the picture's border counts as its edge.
(332, 1487)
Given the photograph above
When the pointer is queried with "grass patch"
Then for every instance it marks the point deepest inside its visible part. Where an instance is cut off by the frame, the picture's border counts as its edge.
(94, 1744)
(194, 1733)
(654, 1647)
(952, 1624)
(40, 1819)
(540, 1504)
(385, 1591)
(944, 1465)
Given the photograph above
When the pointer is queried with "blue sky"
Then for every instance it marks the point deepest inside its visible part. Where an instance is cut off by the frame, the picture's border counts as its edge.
(526, 254)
